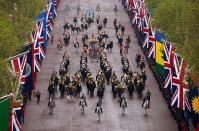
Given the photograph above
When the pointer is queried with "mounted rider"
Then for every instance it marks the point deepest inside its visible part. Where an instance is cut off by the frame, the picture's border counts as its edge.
(62, 88)
(147, 97)
(83, 97)
(51, 102)
(98, 105)
(123, 98)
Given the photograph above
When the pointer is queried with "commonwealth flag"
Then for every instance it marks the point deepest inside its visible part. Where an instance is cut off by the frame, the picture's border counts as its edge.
(159, 54)
(4, 113)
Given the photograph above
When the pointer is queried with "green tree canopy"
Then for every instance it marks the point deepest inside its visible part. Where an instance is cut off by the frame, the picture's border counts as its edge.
(16, 21)
(179, 20)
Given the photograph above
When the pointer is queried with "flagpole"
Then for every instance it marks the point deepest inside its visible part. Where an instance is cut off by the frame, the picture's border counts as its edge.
(16, 56)
(168, 42)
(28, 43)
(178, 54)
(4, 96)
(38, 20)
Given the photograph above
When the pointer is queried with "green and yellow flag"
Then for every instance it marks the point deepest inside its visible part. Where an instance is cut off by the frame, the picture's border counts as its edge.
(4, 113)
(159, 54)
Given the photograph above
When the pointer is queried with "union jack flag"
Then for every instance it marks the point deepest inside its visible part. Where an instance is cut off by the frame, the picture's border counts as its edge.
(179, 87)
(129, 4)
(145, 27)
(146, 22)
(37, 50)
(138, 10)
(43, 36)
(56, 2)
(18, 65)
(141, 15)
(150, 40)
(134, 11)
(49, 18)
(53, 10)
(16, 115)
(168, 64)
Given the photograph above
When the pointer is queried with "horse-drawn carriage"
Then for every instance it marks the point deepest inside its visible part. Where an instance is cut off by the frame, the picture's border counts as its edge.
(89, 16)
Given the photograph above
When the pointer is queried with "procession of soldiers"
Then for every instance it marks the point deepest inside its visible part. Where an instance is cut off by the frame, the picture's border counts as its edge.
(94, 48)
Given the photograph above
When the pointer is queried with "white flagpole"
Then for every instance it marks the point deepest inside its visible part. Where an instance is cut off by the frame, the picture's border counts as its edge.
(5, 96)
(39, 20)
(168, 42)
(16, 56)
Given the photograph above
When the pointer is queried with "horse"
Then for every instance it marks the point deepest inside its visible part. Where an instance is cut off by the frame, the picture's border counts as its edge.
(69, 98)
(98, 110)
(130, 89)
(139, 89)
(91, 87)
(137, 59)
(70, 93)
(65, 64)
(124, 79)
(142, 65)
(123, 105)
(146, 106)
(51, 105)
(76, 45)
(82, 104)
(75, 28)
(78, 89)
(100, 93)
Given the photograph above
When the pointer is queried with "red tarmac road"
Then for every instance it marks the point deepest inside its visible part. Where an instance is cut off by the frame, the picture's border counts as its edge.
(67, 116)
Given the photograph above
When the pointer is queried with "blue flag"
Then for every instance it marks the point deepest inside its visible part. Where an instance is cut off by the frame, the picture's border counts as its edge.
(42, 17)
(51, 3)
(27, 87)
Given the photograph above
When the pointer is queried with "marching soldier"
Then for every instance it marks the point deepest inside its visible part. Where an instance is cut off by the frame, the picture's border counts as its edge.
(138, 58)
(99, 27)
(105, 21)
(108, 73)
(50, 90)
(62, 88)
(38, 94)
(98, 19)
(130, 86)
(67, 79)
(76, 44)
(127, 44)
(120, 90)
(84, 37)
(75, 21)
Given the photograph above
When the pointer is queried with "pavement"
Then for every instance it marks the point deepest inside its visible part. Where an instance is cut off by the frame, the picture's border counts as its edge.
(67, 116)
